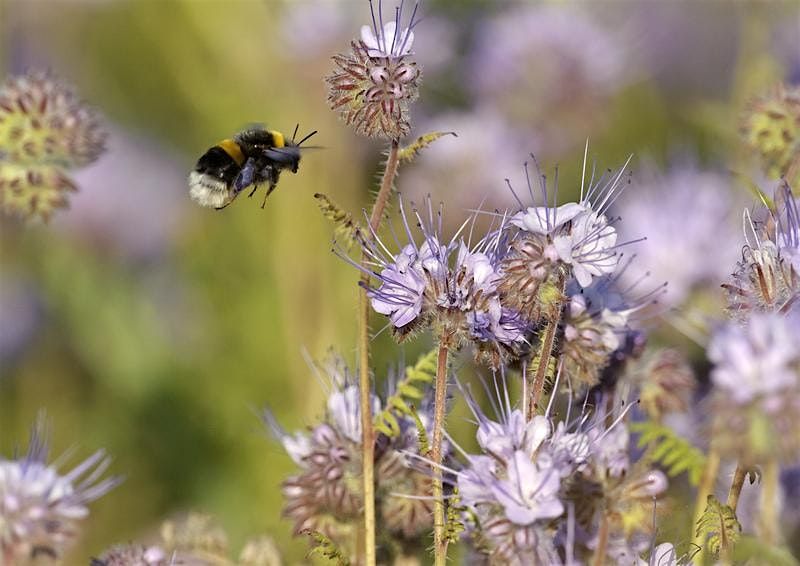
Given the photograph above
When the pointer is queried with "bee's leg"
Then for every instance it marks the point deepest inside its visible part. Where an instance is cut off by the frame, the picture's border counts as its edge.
(255, 188)
(245, 177)
(273, 182)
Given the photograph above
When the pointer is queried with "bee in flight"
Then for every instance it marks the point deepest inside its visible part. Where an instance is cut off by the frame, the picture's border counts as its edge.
(250, 158)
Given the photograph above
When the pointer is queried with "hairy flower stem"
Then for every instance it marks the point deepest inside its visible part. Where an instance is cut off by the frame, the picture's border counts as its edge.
(768, 523)
(543, 355)
(704, 489)
(365, 387)
(439, 542)
(602, 542)
(736, 487)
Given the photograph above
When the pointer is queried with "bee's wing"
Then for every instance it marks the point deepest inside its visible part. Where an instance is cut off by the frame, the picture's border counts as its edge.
(283, 155)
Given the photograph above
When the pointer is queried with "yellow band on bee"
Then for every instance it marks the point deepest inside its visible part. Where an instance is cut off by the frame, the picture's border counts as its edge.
(232, 148)
(277, 139)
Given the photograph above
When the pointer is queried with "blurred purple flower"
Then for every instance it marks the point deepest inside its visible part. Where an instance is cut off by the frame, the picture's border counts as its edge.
(40, 509)
(686, 215)
(547, 68)
(133, 199)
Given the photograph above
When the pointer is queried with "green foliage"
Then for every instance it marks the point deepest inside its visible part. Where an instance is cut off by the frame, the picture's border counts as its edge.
(408, 391)
(409, 152)
(676, 454)
(422, 434)
(453, 525)
(718, 527)
(751, 548)
(345, 227)
(326, 548)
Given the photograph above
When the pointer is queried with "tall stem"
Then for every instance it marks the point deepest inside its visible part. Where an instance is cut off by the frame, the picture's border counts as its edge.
(439, 542)
(704, 489)
(736, 487)
(768, 513)
(365, 388)
(542, 359)
(602, 542)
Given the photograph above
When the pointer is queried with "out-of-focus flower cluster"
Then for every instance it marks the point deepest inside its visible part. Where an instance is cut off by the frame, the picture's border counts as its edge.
(771, 129)
(45, 130)
(325, 497)
(756, 355)
(195, 540)
(41, 508)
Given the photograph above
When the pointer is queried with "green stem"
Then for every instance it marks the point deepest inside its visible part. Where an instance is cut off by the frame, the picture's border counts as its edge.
(768, 513)
(365, 387)
(736, 486)
(602, 542)
(704, 489)
(439, 541)
(542, 360)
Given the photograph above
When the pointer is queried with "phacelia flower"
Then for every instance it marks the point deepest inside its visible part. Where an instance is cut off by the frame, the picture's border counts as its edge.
(596, 320)
(767, 278)
(448, 285)
(771, 127)
(373, 85)
(45, 129)
(666, 381)
(133, 555)
(40, 508)
(756, 380)
(326, 495)
(535, 478)
(554, 244)
(548, 70)
(691, 229)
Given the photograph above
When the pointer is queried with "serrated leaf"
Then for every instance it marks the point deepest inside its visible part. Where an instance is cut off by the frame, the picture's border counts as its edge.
(718, 527)
(409, 152)
(326, 548)
(400, 402)
(677, 455)
(345, 228)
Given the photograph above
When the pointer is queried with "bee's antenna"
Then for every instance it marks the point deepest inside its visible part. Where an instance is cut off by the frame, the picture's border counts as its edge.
(294, 135)
(305, 138)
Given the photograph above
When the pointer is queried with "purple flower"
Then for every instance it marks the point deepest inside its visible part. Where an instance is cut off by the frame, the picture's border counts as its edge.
(450, 285)
(759, 360)
(687, 215)
(40, 508)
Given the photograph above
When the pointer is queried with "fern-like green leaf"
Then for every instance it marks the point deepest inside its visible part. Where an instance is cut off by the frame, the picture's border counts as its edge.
(346, 229)
(407, 392)
(454, 525)
(409, 152)
(718, 527)
(325, 547)
(422, 434)
(676, 454)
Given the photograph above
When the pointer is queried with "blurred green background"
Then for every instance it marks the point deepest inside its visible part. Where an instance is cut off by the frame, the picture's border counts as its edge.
(157, 330)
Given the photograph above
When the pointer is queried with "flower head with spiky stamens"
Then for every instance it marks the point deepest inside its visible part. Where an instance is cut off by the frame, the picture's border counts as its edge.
(374, 84)
(44, 130)
(771, 127)
(597, 319)
(767, 278)
(530, 472)
(449, 285)
(554, 244)
(40, 509)
(757, 387)
(326, 496)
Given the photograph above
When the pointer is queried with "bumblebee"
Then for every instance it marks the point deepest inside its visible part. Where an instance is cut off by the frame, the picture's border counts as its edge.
(249, 159)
